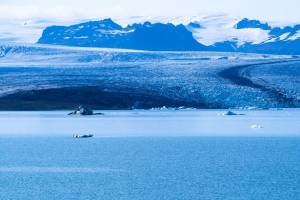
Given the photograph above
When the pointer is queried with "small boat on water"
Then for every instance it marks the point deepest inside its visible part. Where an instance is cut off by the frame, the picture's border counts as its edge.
(83, 136)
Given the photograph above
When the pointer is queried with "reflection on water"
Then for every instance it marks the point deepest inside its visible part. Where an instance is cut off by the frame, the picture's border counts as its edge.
(57, 169)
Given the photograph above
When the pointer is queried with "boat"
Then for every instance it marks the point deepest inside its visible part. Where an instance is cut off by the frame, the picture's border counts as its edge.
(83, 136)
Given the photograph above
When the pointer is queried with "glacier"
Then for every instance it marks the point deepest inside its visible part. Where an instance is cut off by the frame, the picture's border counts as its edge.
(194, 78)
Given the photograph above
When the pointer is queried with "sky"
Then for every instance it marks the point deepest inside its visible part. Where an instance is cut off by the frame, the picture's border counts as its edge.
(264, 10)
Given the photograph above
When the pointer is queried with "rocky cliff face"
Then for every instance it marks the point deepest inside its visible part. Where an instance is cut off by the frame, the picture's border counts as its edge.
(106, 33)
(246, 23)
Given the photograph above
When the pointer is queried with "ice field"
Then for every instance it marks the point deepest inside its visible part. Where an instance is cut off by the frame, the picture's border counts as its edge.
(267, 80)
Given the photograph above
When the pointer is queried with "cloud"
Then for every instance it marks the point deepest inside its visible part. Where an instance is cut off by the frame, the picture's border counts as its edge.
(60, 12)
(8, 12)
(64, 13)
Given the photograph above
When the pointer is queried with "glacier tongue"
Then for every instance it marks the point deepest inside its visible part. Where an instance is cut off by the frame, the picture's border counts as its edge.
(192, 77)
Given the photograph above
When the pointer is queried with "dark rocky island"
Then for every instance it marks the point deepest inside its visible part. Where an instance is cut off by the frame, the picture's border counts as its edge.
(81, 110)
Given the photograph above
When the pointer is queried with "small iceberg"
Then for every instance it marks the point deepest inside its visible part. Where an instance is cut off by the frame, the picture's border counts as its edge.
(256, 126)
(253, 108)
(229, 113)
(83, 136)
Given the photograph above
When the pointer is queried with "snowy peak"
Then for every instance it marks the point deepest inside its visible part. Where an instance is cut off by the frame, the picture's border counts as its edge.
(219, 28)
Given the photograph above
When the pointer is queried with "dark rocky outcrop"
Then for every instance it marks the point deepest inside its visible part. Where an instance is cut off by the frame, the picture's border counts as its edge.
(106, 33)
(163, 37)
(194, 25)
(246, 23)
(276, 32)
(81, 111)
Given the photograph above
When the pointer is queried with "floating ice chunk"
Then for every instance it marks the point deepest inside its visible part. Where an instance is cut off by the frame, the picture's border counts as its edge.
(256, 126)
(252, 108)
(228, 113)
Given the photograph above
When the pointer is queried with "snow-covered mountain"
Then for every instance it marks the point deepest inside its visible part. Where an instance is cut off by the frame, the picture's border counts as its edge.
(215, 32)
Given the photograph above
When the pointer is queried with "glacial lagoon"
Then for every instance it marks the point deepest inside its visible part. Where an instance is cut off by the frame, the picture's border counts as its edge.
(139, 154)
(148, 123)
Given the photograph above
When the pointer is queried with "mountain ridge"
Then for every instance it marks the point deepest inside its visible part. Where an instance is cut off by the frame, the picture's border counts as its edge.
(231, 35)
(106, 33)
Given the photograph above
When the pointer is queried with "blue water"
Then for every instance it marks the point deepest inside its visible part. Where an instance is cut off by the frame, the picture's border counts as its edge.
(150, 155)
(150, 168)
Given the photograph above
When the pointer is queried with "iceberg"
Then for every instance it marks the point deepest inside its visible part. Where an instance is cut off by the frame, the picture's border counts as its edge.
(228, 113)
(256, 126)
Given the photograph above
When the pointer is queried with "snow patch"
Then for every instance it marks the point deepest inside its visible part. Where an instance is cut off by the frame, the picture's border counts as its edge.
(115, 32)
(295, 36)
(284, 36)
(82, 37)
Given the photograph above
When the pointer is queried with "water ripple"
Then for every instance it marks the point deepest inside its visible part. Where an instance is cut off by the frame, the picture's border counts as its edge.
(35, 169)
